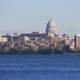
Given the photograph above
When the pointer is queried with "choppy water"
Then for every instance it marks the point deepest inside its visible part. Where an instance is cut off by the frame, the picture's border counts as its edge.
(40, 67)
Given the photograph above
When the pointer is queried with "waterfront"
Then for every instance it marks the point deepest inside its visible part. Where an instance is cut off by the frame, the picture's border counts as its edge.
(40, 67)
(39, 42)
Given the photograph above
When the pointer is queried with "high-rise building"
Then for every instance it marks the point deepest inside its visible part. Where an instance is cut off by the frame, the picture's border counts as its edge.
(51, 27)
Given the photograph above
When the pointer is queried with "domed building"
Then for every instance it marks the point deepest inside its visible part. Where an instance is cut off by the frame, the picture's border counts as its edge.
(51, 27)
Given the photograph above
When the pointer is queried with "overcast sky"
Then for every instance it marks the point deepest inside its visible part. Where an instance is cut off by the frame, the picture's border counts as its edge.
(33, 15)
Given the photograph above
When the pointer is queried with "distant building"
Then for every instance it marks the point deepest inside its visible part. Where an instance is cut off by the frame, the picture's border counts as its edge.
(35, 35)
(14, 40)
(26, 38)
(77, 42)
(8, 36)
(51, 28)
(67, 39)
(3, 39)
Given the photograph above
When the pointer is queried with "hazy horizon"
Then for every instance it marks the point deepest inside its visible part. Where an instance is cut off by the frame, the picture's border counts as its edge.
(29, 16)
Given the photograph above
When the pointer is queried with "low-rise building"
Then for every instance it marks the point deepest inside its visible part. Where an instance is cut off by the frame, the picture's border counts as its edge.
(77, 42)
(3, 39)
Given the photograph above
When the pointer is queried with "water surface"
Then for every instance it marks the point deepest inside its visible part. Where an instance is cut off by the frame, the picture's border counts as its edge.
(40, 67)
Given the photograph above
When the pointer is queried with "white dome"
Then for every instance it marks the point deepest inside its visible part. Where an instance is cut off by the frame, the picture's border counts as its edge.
(51, 26)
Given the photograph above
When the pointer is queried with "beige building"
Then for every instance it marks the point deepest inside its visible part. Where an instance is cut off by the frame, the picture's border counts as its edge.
(77, 44)
(3, 39)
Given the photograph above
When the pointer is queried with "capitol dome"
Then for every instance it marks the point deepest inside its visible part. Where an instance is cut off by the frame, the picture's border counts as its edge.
(51, 27)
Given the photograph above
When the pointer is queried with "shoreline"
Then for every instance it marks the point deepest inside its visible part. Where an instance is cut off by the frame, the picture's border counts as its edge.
(41, 52)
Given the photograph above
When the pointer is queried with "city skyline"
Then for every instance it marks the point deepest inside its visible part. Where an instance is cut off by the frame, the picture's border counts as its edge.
(30, 16)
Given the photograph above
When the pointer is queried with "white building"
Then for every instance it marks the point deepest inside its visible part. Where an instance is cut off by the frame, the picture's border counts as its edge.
(51, 29)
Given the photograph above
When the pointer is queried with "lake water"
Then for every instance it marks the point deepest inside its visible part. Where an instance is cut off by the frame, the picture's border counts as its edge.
(40, 67)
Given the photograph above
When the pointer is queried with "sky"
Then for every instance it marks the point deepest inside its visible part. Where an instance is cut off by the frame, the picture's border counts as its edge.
(32, 15)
